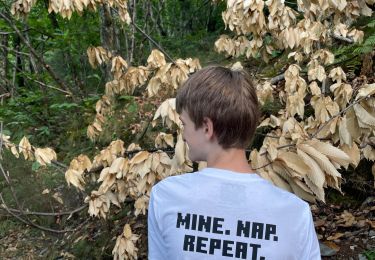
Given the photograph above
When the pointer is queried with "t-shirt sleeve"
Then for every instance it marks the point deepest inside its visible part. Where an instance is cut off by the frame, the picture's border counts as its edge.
(310, 249)
(156, 245)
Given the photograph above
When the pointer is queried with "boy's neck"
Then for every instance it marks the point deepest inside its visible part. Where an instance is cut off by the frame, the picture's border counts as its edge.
(232, 159)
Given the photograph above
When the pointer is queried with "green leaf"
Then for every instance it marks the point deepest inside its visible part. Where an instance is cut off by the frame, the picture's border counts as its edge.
(35, 166)
(64, 106)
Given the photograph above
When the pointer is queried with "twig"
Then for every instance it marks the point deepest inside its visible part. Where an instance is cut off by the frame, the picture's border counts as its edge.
(48, 86)
(280, 147)
(263, 166)
(5, 95)
(144, 131)
(151, 40)
(50, 214)
(4, 206)
(45, 85)
(276, 79)
(12, 50)
(7, 33)
(154, 42)
(342, 38)
(1, 137)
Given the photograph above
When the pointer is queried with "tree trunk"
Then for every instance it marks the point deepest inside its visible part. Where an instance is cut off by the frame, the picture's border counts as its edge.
(4, 61)
(19, 80)
(132, 36)
(34, 68)
(108, 35)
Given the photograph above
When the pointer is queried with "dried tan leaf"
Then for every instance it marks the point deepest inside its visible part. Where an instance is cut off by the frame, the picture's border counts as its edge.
(293, 161)
(44, 156)
(140, 157)
(353, 152)
(366, 91)
(324, 164)
(333, 153)
(75, 178)
(25, 148)
(363, 115)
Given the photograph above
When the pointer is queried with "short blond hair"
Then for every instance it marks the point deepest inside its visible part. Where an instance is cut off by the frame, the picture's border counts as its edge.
(225, 96)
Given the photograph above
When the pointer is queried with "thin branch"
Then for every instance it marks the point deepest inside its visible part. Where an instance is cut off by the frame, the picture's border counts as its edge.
(342, 38)
(12, 50)
(4, 206)
(276, 79)
(50, 214)
(152, 40)
(1, 137)
(263, 166)
(7, 33)
(48, 86)
(43, 84)
(5, 95)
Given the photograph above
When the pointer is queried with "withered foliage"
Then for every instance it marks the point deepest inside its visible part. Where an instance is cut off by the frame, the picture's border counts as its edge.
(302, 154)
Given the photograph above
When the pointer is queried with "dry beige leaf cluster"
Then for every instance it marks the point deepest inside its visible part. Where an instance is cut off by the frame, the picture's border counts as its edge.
(180, 162)
(342, 92)
(77, 167)
(98, 55)
(99, 203)
(120, 177)
(25, 148)
(66, 7)
(321, 20)
(233, 47)
(126, 82)
(164, 140)
(156, 59)
(44, 156)
(109, 154)
(156, 164)
(119, 66)
(103, 108)
(295, 88)
(167, 112)
(281, 16)
(166, 78)
(5, 141)
(121, 6)
(305, 169)
(125, 245)
(21, 8)
(245, 17)
(306, 166)
(169, 76)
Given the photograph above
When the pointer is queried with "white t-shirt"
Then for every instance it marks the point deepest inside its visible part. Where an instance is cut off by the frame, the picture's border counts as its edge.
(219, 214)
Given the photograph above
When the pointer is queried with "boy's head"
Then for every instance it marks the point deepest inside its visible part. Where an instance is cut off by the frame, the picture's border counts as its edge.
(226, 97)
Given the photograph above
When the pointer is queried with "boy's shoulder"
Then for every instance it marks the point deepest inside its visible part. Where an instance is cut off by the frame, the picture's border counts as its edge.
(259, 185)
(174, 180)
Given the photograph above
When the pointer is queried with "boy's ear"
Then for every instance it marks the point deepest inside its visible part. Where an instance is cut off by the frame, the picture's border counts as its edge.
(208, 127)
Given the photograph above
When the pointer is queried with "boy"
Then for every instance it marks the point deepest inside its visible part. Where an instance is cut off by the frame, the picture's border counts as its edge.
(225, 210)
